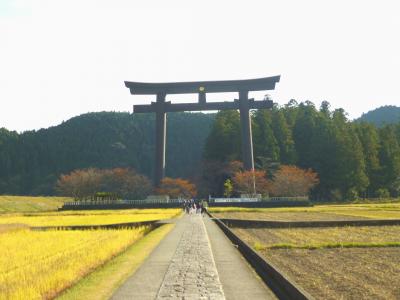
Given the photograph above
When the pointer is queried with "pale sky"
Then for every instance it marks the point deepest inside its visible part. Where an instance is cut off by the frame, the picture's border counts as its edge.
(62, 58)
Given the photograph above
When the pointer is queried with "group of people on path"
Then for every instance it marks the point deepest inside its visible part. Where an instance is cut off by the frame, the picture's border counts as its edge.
(190, 206)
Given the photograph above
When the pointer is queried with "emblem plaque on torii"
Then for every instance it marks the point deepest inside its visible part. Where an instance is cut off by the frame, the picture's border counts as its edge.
(161, 107)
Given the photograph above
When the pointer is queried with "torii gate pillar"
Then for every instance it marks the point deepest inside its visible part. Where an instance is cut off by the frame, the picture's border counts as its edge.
(247, 141)
(161, 131)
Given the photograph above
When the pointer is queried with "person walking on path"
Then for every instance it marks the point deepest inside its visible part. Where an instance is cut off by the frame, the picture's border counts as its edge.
(204, 206)
(199, 207)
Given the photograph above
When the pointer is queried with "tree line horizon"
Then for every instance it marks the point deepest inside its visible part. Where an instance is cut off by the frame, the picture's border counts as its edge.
(351, 159)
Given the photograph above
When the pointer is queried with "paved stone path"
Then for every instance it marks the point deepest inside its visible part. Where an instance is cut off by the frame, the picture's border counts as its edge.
(192, 273)
(194, 261)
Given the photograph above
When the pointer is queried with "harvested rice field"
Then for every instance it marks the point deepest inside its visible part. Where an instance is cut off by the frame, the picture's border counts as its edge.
(37, 264)
(342, 273)
(334, 263)
(41, 264)
(71, 218)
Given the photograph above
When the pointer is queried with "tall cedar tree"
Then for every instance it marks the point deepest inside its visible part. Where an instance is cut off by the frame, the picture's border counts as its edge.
(369, 138)
(343, 154)
(283, 137)
(223, 142)
(265, 143)
(389, 156)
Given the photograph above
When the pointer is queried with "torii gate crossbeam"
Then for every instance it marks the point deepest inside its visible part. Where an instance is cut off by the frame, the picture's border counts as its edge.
(161, 107)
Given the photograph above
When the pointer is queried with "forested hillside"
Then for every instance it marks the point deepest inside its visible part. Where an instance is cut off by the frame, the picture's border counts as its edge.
(352, 159)
(388, 114)
(31, 162)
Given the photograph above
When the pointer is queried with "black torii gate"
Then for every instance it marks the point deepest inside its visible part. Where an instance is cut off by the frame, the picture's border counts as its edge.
(161, 107)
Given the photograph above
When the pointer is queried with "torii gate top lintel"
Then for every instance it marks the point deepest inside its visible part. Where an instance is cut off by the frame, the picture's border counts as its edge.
(147, 88)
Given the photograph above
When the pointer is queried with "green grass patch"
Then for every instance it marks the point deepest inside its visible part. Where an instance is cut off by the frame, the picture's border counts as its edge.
(260, 247)
(365, 210)
(30, 204)
(362, 201)
(103, 282)
(335, 208)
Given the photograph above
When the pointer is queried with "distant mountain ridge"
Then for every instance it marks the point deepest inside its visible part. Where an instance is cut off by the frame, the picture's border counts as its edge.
(380, 116)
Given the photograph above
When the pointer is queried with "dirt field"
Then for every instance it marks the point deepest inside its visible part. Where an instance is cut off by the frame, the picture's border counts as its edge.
(325, 235)
(337, 273)
(353, 273)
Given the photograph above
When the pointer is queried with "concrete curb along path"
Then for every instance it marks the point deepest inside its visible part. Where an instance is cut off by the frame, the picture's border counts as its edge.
(183, 267)
(283, 287)
(239, 280)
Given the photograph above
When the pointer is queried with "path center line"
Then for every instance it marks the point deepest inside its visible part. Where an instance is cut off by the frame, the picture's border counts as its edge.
(192, 272)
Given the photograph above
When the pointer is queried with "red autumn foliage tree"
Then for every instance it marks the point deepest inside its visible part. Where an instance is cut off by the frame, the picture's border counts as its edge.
(79, 183)
(177, 188)
(126, 183)
(243, 182)
(291, 181)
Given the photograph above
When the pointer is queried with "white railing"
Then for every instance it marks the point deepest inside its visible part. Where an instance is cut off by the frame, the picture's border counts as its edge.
(251, 199)
(129, 202)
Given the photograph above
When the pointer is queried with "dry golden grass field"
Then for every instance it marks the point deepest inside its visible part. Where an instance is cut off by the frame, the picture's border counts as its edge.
(89, 217)
(330, 262)
(41, 264)
(30, 204)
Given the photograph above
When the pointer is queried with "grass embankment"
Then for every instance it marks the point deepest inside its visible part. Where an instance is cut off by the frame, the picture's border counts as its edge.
(258, 246)
(30, 204)
(104, 281)
(89, 217)
(317, 212)
(40, 264)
